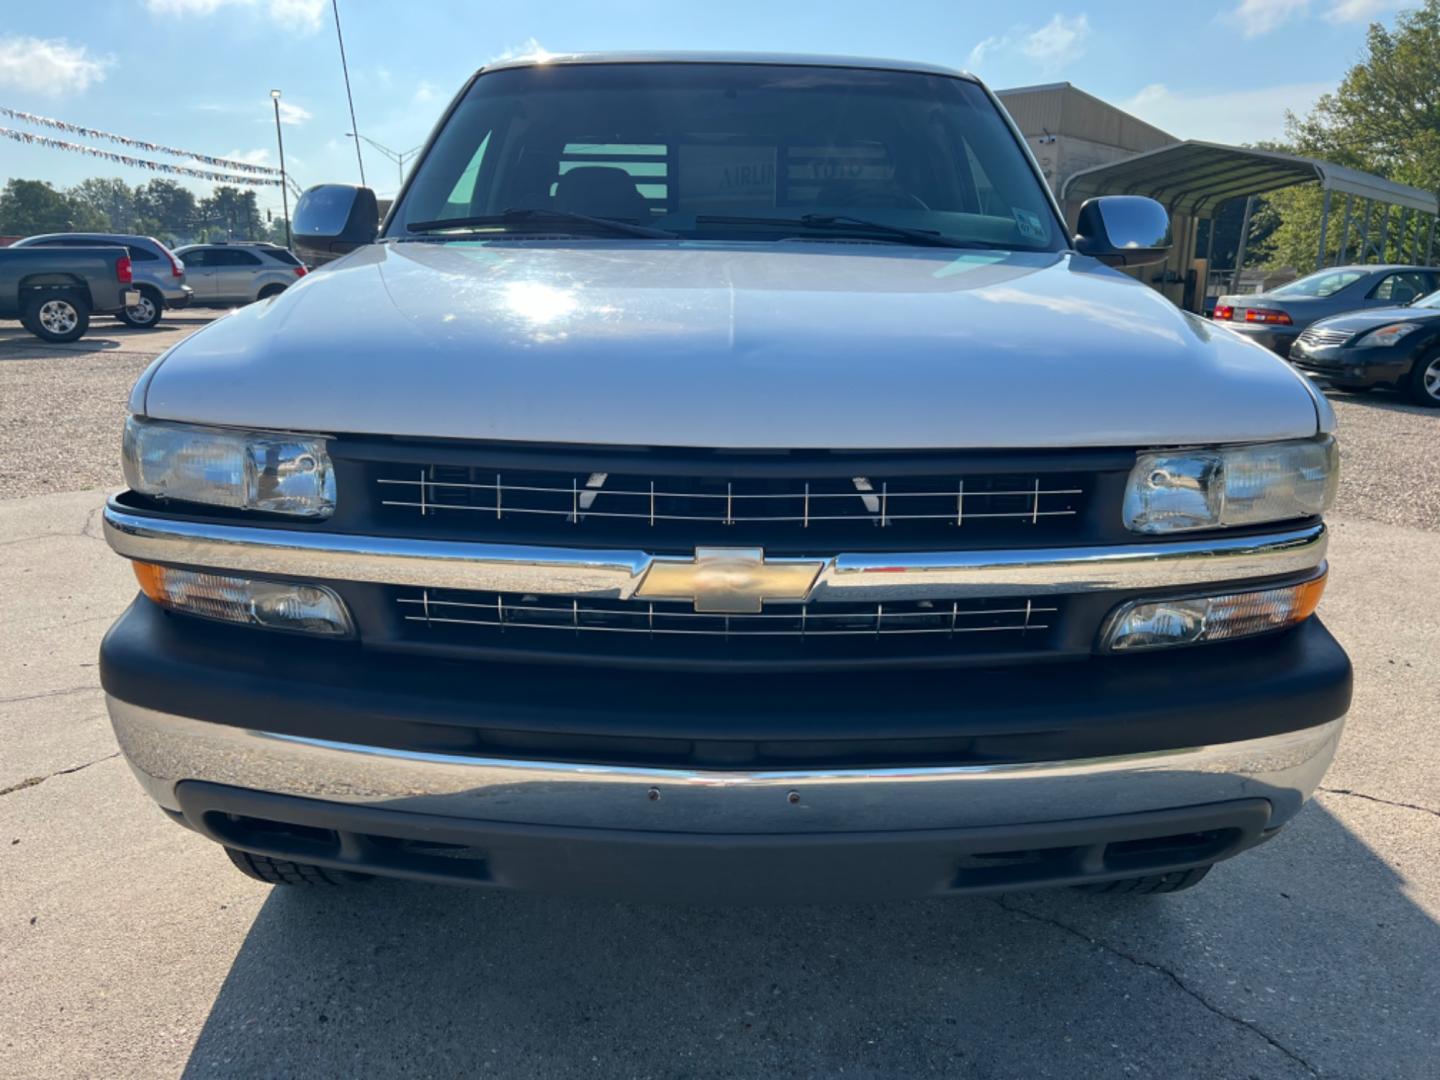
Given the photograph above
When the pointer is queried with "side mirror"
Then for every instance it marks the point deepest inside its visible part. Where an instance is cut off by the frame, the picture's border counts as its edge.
(1123, 230)
(335, 219)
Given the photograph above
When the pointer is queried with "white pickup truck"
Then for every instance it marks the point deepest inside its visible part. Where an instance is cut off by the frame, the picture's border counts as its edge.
(726, 477)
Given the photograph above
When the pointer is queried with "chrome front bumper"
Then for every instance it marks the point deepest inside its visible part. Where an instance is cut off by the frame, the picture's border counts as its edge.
(618, 574)
(165, 750)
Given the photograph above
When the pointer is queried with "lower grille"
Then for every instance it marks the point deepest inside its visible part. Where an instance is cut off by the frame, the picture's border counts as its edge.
(613, 630)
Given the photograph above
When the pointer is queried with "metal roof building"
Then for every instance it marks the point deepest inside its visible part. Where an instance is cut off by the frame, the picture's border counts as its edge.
(1087, 147)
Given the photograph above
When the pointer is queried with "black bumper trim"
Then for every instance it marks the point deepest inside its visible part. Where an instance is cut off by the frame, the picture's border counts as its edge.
(1097, 707)
(721, 868)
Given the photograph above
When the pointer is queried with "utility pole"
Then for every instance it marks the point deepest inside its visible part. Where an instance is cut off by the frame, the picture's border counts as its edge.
(398, 157)
(284, 191)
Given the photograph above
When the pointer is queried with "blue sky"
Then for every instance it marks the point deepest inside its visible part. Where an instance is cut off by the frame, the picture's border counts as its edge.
(196, 74)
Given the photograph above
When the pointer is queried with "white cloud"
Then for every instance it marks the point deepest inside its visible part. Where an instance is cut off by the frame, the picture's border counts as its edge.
(1058, 42)
(250, 157)
(529, 47)
(52, 67)
(1257, 17)
(296, 16)
(290, 113)
(425, 92)
(1235, 116)
(1348, 11)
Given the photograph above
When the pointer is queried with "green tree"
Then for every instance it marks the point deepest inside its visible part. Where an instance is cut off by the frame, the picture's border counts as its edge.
(1384, 118)
(167, 210)
(232, 214)
(34, 206)
(109, 199)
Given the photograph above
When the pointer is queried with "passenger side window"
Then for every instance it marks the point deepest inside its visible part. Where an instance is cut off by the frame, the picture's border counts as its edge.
(196, 259)
(1400, 288)
(139, 254)
(232, 257)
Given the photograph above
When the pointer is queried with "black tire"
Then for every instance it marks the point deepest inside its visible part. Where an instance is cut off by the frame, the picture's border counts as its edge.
(58, 315)
(1424, 381)
(282, 872)
(146, 314)
(1151, 884)
(270, 290)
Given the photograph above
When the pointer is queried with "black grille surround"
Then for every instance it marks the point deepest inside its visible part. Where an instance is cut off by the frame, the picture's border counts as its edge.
(672, 501)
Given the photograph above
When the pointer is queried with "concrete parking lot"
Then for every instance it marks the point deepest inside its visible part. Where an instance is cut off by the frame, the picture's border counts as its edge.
(129, 947)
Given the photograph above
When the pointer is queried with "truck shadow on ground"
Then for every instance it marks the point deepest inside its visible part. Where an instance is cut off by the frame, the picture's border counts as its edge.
(1305, 956)
(1384, 399)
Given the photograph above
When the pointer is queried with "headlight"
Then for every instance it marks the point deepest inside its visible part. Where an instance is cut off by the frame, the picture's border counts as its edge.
(1387, 335)
(1173, 491)
(244, 470)
(1156, 624)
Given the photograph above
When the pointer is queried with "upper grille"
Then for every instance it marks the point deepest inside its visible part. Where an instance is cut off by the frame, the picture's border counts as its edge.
(824, 510)
(1324, 338)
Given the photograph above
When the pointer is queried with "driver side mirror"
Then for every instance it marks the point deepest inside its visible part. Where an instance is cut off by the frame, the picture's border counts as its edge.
(1123, 230)
(334, 219)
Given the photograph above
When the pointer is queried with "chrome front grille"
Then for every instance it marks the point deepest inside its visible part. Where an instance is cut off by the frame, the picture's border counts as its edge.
(464, 496)
(1322, 338)
(506, 612)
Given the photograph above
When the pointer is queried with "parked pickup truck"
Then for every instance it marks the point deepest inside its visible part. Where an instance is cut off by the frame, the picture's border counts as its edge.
(726, 478)
(54, 291)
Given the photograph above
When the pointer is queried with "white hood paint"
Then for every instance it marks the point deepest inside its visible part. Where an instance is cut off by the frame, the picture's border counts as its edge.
(783, 346)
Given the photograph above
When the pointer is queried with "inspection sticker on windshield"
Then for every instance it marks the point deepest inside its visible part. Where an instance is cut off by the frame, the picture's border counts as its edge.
(1030, 225)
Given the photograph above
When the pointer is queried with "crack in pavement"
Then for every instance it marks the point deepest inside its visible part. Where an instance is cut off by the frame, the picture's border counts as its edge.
(49, 693)
(1376, 799)
(1160, 969)
(32, 781)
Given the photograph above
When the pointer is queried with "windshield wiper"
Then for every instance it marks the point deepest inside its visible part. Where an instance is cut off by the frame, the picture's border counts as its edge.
(518, 216)
(846, 223)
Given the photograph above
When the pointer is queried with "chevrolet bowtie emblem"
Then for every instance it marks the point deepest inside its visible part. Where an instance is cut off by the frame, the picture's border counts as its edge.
(732, 581)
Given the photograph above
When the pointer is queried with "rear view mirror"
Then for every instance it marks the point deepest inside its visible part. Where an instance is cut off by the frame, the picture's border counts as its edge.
(334, 219)
(1123, 230)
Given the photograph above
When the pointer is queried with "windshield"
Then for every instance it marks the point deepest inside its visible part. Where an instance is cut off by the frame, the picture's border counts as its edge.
(1321, 283)
(1431, 301)
(768, 149)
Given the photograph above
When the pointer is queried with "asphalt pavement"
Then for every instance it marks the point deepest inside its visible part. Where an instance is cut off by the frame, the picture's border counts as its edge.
(131, 948)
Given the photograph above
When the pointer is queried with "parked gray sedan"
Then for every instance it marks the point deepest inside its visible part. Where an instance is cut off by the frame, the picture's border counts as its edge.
(159, 275)
(1275, 318)
(225, 274)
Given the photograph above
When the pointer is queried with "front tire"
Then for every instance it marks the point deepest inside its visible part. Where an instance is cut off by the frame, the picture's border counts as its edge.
(145, 314)
(1150, 884)
(268, 291)
(283, 872)
(1425, 381)
(60, 316)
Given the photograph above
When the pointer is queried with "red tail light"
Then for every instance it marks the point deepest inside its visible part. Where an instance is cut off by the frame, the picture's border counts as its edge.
(1267, 315)
(124, 272)
(299, 271)
(1223, 312)
(176, 270)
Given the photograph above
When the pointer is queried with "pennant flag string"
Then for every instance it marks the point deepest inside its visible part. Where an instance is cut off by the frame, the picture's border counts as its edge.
(140, 163)
(154, 148)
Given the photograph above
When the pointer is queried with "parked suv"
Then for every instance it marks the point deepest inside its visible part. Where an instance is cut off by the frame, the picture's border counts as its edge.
(159, 275)
(725, 478)
(224, 274)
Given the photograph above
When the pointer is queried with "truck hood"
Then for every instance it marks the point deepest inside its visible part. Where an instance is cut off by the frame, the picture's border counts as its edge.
(783, 345)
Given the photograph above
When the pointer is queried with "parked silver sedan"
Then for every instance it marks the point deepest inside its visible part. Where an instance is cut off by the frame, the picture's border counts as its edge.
(1275, 318)
(224, 274)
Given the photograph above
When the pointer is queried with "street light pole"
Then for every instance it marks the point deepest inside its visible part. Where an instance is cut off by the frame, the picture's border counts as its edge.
(284, 191)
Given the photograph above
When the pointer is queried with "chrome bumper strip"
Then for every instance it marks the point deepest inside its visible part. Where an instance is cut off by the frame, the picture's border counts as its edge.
(603, 573)
(165, 749)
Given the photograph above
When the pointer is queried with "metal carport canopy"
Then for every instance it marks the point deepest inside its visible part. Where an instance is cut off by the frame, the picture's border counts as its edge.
(1194, 178)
